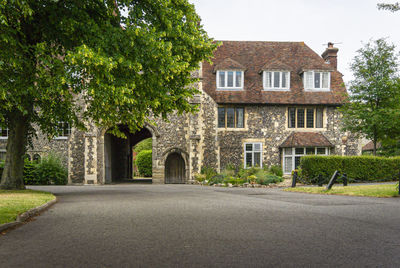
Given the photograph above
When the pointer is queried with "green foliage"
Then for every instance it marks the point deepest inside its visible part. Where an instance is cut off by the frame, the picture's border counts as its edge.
(126, 65)
(50, 171)
(209, 172)
(1, 168)
(373, 109)
(391, 7)
(276, 170)
(146, 144)
(357, 168)
(144, 163)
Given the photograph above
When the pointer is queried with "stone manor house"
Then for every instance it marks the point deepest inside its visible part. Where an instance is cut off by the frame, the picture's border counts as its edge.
(261, 103)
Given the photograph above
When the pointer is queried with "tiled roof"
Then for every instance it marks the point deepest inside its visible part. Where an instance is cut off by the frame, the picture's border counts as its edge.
(306, 139)
(275, 65)
(370, 146)
(254, 56)
(229, 64)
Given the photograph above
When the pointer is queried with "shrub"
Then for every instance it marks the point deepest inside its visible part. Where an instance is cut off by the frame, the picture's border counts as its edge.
(265, 178)
(276, 170)
(144, 163)
(208, 171)
(216, 179)
(1, 168)
(357, 168)
(50, 171)
(146, 144)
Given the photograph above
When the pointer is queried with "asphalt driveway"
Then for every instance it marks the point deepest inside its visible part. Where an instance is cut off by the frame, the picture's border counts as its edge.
(194, 226)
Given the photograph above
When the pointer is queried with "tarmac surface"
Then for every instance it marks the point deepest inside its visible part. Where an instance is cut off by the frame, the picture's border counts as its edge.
(195, 226)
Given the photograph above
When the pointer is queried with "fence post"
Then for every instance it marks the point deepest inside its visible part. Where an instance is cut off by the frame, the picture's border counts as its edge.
(294, 179)
(344, 179)
(333, 180)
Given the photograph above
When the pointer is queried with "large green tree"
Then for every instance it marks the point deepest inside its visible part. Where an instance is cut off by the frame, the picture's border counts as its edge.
(106, 61)
(373, 109)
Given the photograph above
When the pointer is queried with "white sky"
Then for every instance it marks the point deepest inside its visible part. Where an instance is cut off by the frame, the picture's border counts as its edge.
(316, 22)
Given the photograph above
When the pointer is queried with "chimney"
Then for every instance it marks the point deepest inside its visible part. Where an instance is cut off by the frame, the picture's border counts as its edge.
(330, 55)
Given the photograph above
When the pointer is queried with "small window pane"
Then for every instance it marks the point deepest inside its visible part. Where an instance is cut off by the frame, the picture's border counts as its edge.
(300, 118)
(257, 159)
(308, 80)
(288, 151)
(292, 117)
(299, 151)
(268, 79)
(230, 79)
(319, 117)
(317, 80)
(288, 164)
(310, 150)
(249, 147)
(249, 159)
(221, 79)
(276, 79)
(297, 161)
(284, 79)
(221, 117)
(239, 117)
(257, 147)
(310, 118)
(325, 80)
(321, 150)
(238, 79)
(230, 117)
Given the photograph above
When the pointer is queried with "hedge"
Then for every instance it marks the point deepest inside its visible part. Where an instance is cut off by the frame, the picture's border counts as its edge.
(357, 168)
(49, 171)
(146, 144)
(144, 163)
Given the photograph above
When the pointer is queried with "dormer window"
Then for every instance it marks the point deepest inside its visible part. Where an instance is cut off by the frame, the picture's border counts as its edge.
(317, 81)
(230, 79)
(276, 80)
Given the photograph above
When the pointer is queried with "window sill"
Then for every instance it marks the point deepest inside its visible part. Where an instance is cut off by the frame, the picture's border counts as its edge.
(229, 89)
(317, 89)
(3, 138)
(220, 129)
(276, 89)
(61, 138)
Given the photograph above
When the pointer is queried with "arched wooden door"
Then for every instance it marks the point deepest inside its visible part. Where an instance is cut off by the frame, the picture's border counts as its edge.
(174, 169)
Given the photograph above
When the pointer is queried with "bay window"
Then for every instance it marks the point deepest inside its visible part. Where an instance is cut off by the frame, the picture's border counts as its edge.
(291, 156)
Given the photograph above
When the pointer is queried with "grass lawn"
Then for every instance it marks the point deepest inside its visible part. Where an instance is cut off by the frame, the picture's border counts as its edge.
(13, 203)
(382, 190)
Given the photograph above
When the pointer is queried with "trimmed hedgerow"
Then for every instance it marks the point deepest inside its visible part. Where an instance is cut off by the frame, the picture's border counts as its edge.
(144, 163)
(357, 168)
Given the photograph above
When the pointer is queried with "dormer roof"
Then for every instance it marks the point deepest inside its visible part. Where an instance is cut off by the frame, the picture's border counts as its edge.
(229, 64)
(275, 65)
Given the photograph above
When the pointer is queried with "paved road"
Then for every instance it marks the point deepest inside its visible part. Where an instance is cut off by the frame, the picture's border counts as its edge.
(193, 226)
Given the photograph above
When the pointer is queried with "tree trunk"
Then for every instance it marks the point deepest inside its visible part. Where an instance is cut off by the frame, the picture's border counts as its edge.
(12, 178)
(374, 152)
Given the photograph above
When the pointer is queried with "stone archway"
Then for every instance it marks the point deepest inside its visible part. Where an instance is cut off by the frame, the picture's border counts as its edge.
(175, 169)
(118, 162)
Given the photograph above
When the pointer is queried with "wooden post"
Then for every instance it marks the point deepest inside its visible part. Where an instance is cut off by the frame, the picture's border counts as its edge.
(294, 178)
(333, 180)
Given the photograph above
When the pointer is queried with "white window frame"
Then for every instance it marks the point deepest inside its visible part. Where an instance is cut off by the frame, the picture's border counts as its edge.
(272, 88)
(252, 154)
(4, 137)
(64, 137)
(313, 88)
(294, 155)
(225, 87)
